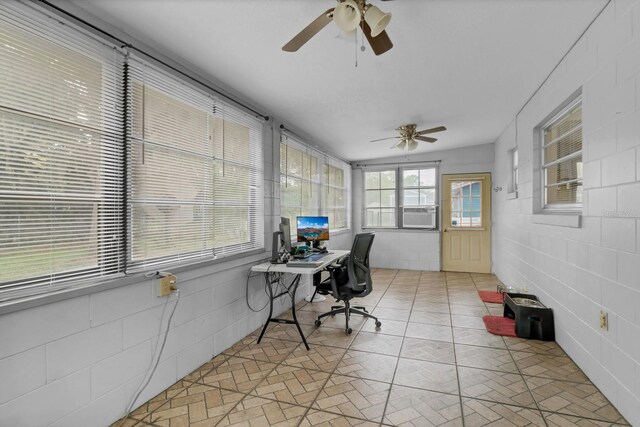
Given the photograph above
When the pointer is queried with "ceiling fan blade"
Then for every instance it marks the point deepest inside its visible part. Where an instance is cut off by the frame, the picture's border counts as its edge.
(380, 43)
(384, 139)
(425, 138)
(432, 130)
(309, 31)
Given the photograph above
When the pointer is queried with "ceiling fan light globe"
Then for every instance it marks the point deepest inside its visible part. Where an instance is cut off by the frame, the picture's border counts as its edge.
(377, 20)
(413, 144)
(347, 16)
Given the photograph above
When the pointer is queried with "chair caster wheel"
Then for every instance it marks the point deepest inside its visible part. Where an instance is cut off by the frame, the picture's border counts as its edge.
(378, 324)
(348, 331)
(317, 323)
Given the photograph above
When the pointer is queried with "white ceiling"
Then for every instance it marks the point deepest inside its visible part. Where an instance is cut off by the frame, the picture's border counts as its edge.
(466, 64)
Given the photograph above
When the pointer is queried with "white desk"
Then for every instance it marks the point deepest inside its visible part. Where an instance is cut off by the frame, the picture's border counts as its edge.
(267, 268)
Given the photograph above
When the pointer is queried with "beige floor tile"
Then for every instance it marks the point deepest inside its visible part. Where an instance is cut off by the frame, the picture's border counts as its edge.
(477, 337)
(502, 387)
(238, 374)
(561, 420)
(433, 351)
(197, 375)
(474, 322)
(291, 385)
(429, 332)
(469, 310)
(485, 358)
(327, 419)
(414, 407)
(258, 412)
(430, 317)
(432, 376)
(578, 399)
(331, 337)
(554, 367)
(422, 305)
(318, 357)
(161, 400)
(269, 350)
(353, 397)
(370, 366)
(381, 344)
(549, 348)
(388, 327)
(391, 314)
(481, 413)
(338, 321)
(284, 331)
(396, 303)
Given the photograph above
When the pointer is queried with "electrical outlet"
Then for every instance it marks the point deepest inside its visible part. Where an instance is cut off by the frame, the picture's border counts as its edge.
(165, 284)
(604, 321)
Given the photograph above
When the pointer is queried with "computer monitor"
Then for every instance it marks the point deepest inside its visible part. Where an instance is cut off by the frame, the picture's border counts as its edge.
(312, 229)
(285, 230)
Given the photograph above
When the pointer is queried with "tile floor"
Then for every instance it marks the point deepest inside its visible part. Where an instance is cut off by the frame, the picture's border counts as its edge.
(430, 364)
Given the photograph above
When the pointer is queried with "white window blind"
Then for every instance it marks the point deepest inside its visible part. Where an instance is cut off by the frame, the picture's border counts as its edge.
(336, 184)
(61, 153)
(195, 173)
(299, 180)
(562, 158)
(312, 183)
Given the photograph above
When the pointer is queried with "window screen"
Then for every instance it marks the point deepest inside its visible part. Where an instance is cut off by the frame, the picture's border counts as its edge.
(61, 153)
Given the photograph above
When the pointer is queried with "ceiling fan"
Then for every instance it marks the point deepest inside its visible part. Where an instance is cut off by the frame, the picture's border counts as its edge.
(409, 137)
(349, 15)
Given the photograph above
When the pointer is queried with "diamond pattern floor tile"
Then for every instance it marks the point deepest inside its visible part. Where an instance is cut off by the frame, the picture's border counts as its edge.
(256, 411)
(371, 366)
(427, 375)
(269, 350)
(381, 344)
(291, 385)
(555, 367)
(485, 358)
(327, 419)
(433, 351)
(561, 420)
(318, 357)
(482, 413)
(502, 387)
(429, 332)
(238, 374)
(579, 399)
(477, 337)
(351, 397)
(549, 348)
(414, 407)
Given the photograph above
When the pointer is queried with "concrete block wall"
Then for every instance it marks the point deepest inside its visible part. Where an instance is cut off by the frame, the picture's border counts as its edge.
(415, 249)
(581, 271)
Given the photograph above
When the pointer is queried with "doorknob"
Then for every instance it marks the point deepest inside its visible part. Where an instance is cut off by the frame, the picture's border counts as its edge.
(445, 230)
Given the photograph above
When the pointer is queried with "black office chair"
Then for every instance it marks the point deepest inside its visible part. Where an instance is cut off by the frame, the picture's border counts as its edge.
(350, 278)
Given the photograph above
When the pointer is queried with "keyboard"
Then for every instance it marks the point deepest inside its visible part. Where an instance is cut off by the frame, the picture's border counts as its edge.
(317, 257)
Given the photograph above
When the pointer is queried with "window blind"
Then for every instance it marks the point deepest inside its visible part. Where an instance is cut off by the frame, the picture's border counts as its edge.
(562, 162)
(194, 172)
(60, 153)
(313, 183)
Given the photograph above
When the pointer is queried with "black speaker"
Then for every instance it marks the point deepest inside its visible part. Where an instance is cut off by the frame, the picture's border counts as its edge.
(275, 247)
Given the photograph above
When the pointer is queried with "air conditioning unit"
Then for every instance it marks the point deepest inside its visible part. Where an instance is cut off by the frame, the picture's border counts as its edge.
(419, 216)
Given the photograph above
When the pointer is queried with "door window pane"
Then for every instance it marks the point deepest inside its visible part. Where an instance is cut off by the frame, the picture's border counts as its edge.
(466, 203)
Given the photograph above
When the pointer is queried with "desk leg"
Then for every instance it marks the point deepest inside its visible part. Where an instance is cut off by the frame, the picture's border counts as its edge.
(266, 324)
(293, 311)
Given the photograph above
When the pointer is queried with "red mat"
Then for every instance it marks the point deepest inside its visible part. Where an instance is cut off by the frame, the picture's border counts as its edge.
(498, 325)
(491, 296)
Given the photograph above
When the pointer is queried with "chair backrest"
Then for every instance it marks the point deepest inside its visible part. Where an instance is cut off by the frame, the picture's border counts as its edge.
(358, 264)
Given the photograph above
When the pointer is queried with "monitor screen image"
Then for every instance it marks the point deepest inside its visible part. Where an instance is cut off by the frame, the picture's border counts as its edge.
(313, 228)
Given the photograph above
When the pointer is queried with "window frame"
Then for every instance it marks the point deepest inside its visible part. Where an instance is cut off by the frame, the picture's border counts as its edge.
(554, 118)
(514, 170)
(399, 195)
